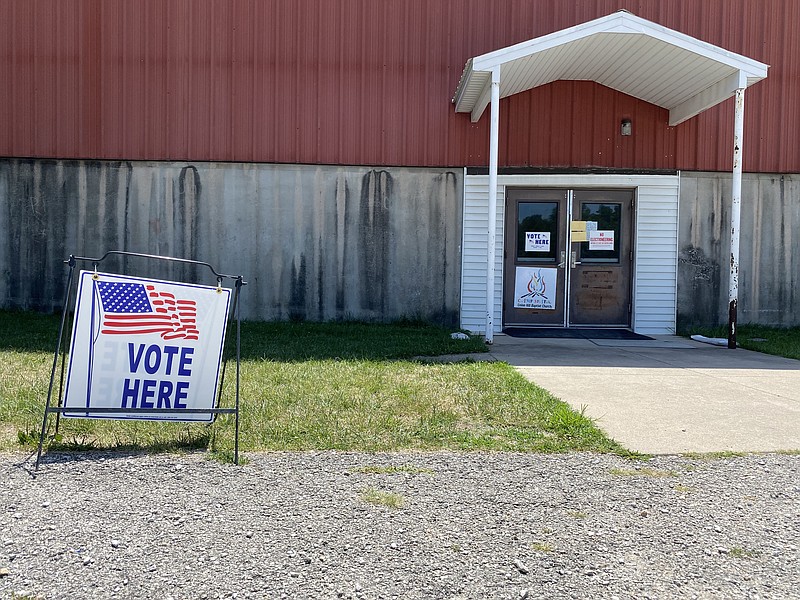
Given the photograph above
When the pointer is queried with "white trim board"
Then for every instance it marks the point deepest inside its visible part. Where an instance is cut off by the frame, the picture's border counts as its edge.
(655, 268)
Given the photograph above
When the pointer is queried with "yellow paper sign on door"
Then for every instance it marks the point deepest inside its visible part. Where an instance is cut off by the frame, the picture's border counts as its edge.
(578, 231)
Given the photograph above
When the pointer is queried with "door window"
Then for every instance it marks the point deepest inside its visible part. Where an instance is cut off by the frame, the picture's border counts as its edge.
(603, 216)
(537, 232)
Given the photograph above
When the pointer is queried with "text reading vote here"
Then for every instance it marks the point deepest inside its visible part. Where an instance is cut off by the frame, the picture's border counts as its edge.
(165, 361)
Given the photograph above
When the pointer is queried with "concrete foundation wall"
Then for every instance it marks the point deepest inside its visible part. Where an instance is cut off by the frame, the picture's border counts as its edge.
(769, 262)
(313, 242)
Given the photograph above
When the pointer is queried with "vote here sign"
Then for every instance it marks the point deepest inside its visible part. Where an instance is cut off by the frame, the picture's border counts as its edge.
(139, 344)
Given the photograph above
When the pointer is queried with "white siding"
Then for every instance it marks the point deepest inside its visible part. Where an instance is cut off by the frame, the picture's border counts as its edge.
(473, 270)
(655, 245)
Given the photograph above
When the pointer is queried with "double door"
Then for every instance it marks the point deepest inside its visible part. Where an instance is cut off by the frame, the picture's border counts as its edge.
(568, 258)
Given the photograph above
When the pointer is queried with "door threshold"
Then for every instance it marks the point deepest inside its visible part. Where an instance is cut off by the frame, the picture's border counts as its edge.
(586, 333)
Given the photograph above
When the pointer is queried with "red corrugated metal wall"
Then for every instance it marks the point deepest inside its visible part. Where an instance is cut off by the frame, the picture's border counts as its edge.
(362, 82)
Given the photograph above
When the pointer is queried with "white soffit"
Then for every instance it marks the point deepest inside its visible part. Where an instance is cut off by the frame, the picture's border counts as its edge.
(621, 51)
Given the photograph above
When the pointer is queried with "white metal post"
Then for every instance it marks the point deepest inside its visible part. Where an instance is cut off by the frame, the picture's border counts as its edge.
(736, 202)
(494, 128)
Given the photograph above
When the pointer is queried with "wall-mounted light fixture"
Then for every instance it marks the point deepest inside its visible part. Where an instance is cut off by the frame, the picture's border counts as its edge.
(626, 128)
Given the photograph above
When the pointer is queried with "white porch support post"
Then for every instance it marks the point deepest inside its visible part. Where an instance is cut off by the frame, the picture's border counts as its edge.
(736, 202)
(491, 242)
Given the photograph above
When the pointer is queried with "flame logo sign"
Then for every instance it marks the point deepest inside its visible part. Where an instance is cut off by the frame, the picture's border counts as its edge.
(536, 286)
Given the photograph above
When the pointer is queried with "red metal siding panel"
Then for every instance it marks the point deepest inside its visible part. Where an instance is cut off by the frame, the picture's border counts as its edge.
(362, 82)
(765, 31)
(577, 123)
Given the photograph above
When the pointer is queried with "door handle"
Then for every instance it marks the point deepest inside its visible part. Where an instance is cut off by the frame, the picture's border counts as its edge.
(575, 262)
(563, 262)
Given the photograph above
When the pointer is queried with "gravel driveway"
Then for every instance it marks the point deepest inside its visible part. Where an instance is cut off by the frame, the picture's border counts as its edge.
(299, 525)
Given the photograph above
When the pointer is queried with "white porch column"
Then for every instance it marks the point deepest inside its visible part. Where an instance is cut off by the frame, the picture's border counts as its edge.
(736, 202)
(494, 127)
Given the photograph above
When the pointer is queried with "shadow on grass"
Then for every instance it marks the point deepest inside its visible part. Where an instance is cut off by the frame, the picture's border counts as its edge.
(177, 445)
(28, 331)
(81, 447)
(277, 341)
(290, 342)
(779, 341)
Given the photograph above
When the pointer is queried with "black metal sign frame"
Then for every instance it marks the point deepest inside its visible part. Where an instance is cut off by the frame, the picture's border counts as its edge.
(61, 352)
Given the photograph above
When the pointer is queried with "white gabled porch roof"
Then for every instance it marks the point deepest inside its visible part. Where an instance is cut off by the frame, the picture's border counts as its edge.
(631, 55)
(622, 51)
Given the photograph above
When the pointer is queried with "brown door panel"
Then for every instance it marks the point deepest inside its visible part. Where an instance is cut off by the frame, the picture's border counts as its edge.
(600, 281)
(542, 215)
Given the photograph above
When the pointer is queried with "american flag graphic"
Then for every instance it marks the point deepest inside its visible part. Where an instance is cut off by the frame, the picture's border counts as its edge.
(136, 308)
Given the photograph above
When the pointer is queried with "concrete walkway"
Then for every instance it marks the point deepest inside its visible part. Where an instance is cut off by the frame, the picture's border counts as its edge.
(670, 395)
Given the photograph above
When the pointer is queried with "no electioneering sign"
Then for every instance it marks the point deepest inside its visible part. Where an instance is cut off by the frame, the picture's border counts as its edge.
(141, 344)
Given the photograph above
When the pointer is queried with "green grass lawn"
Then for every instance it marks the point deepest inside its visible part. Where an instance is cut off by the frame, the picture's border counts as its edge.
(345, 386)
(770, 340)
